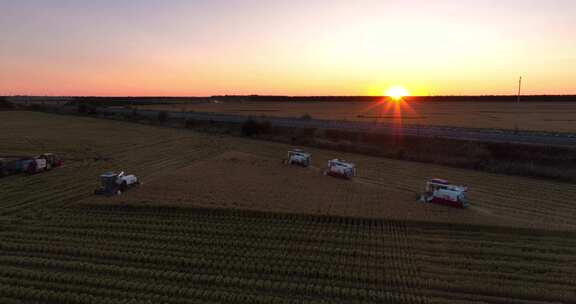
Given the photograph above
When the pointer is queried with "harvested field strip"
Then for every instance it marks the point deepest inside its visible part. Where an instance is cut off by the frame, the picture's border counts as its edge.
(165, 150)
(565, 218)
(72, 181)
(563, 210)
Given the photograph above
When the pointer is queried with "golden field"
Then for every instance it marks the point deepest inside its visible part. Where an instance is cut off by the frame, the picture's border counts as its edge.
(533, 116)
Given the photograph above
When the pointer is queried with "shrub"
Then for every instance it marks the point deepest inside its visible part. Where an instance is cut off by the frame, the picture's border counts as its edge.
(5, 104)
(265, 127)
(37, 107)
(92, 110)
(190, 123)
(135, 113)
(87, 108)
(251, 127)
(342, 135)
(307, 132)
(82, 108)
(163, 117)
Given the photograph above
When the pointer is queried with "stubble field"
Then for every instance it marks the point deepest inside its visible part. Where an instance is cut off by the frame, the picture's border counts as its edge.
(221, 220)
(533, 116)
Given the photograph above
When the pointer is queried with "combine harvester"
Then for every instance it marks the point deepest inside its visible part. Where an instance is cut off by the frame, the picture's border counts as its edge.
(439, 191)
(341, 169)
(298, 157)
(116, 183)
(30, 165)
(44, 162)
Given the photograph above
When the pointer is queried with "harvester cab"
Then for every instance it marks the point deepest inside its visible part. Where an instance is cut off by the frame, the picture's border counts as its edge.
(341, 169)
(439, 191)
(115, 183)
(299, 158)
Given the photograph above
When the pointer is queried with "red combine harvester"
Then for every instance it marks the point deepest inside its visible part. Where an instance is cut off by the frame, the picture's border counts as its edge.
(298, 157)
(341, 169)
(439, 191)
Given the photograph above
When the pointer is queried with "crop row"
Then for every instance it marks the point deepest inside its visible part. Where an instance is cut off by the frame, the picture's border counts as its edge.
(360, 254)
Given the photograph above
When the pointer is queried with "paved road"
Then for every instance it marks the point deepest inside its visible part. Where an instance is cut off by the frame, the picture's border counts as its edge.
(537, 138)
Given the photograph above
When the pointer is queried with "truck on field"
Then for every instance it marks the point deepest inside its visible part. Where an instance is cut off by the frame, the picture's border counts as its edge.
(30, 165)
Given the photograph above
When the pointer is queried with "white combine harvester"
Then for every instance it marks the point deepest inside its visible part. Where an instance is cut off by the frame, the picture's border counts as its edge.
(299, 158)
(116, 183)
(341, 169)
(439, 191)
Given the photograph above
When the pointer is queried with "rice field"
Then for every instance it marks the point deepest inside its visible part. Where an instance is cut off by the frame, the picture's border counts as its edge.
(532, 116)
(221, 220)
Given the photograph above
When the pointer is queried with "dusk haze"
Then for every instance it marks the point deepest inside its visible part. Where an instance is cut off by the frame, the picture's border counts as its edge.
(203, 48)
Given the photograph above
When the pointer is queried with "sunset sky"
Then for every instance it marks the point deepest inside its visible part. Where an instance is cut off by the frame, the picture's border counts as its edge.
(297, 47)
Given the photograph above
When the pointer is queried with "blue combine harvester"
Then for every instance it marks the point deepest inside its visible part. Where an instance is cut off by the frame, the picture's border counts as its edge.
(115, 183)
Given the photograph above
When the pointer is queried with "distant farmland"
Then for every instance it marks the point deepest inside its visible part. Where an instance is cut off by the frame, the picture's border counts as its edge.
(548, 116)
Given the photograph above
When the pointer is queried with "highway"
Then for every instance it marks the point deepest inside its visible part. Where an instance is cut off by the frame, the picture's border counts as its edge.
(486, 135)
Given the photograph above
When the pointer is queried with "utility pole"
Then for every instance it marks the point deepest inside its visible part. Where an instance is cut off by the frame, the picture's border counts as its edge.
(518, 103)
(519, 89)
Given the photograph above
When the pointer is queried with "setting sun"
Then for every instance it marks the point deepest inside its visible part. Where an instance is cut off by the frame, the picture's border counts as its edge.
(397, 93)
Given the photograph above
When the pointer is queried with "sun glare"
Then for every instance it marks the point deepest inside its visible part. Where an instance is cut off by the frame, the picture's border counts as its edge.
(397, 93)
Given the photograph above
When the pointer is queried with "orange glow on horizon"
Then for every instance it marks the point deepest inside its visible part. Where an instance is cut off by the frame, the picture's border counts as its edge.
(389, 108)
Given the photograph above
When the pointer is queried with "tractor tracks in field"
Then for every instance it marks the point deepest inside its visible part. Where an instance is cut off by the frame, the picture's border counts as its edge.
(375, 182)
